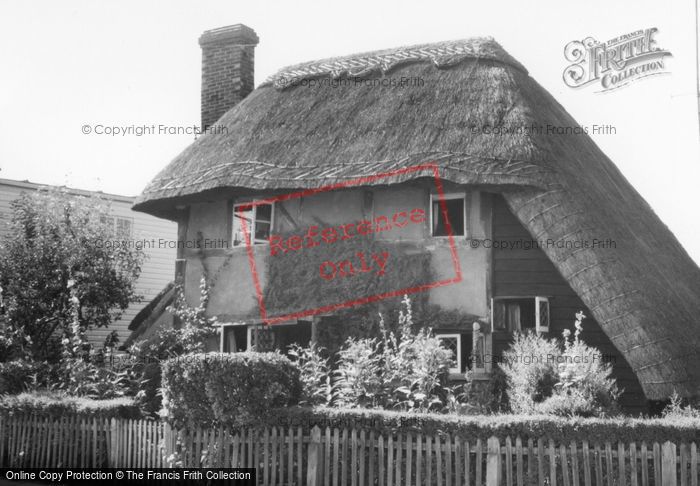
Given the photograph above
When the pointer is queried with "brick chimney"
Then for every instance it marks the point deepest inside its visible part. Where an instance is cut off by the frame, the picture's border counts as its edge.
(228, 65)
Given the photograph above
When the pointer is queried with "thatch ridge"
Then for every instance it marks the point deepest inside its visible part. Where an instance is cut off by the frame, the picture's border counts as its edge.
(645, 293)
(442, 54)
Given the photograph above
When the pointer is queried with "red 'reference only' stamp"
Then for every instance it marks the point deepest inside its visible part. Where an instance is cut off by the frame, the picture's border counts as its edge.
(349, 266)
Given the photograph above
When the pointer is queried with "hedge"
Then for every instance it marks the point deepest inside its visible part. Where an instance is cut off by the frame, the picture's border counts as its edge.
(221, 389)
(560, 429)
(54, 404)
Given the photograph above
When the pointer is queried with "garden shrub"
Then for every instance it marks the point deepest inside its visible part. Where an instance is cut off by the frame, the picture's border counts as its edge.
(148, 354)
(49, 266)
(416, 367)
(314, 373)
(219, 389)
(483, 396)
(403, 369)
(48, 403)
(357, 379)
(585, 386)
(81, 371)
(679, 408)
(83, 378)
(531, 376)
(20, 375)
(569, 378)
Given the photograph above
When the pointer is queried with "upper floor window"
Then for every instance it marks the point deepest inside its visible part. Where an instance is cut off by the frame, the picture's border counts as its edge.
(517, 314)
(455, 214)
(122, 226)
(258, 220)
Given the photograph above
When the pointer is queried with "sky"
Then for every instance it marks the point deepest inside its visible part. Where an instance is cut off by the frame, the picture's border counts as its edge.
(67, 64)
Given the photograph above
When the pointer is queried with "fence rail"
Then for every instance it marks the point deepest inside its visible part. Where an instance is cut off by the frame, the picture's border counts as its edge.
(333, 456)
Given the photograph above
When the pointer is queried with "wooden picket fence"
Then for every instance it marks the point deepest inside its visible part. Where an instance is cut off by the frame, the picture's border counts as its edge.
(334, 456)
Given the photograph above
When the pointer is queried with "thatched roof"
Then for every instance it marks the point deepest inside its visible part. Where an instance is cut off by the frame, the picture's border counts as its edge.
(645, 293)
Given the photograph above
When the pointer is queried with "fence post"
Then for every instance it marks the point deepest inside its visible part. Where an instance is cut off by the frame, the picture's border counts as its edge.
(3, 435)
(493, 458)
(668, 464)
(167, 447)
(113, 443)
(315, 459)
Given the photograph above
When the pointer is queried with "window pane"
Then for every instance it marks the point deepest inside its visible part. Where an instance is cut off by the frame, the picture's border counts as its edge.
(264, 213)
(123, 228)
(513, 317)
(262, 231)
(499, 315)
(455, 215)
(527, 314)
(519, 314)
(467, 346)
(451, 343)
(238, 234)
(544, 313)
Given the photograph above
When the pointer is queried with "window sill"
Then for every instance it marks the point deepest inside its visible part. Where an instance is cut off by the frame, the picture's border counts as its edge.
(481, 375)
(461, 377)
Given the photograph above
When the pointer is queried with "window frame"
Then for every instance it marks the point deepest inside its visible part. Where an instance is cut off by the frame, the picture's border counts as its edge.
(539, 328)
(222, 335)
(458, 368)
(113, 221)
(254, 220)
(449, 196)
(130, 223)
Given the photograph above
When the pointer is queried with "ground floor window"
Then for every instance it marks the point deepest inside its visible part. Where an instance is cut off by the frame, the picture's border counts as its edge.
(235, 339)
(276, 337)
(461, 345)
(518, 314)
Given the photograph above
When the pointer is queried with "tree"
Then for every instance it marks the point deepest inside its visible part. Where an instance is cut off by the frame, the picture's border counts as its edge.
(62, 249)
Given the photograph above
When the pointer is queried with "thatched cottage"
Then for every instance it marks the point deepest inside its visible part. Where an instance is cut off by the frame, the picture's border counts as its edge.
(542, 223)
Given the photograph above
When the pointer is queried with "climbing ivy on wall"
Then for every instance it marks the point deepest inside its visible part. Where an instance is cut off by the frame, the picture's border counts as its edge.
(328, 274)
(294, 284)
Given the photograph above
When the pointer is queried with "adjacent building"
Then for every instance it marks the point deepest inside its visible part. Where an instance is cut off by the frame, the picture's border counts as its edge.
(158, 268)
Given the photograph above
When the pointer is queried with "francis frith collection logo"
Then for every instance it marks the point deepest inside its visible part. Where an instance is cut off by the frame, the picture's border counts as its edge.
(615, 63)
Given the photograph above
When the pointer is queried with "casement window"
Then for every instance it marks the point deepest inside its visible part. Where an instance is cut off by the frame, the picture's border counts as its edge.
(238, 337)
(517, 314)
(234, 338)
(122, 227)
(453, 342)
(456, 206)
(258, 220)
